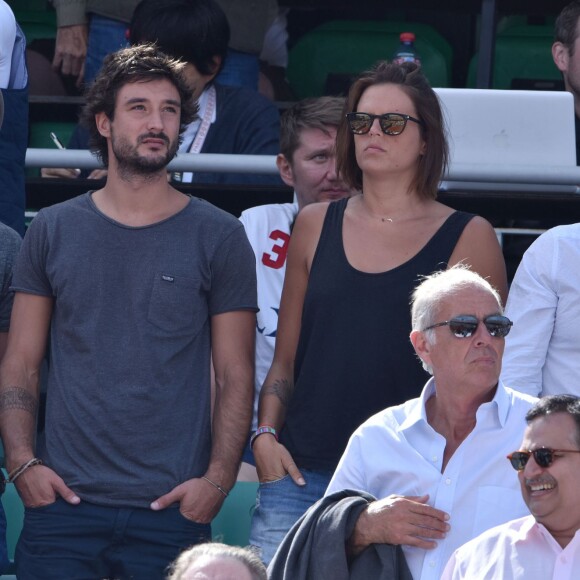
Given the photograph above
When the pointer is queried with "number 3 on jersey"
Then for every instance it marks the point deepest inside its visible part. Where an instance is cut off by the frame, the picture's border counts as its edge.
(277, 256)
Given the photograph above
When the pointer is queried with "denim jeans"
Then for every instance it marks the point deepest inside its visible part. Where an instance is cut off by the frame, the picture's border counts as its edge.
(105, 36)
(86, 542)
(279, 505)
(248, 455)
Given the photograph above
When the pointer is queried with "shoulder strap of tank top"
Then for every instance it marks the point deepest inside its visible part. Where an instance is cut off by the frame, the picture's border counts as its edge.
(457, 221)
(445, 239)
(331, 233)
(332, 226)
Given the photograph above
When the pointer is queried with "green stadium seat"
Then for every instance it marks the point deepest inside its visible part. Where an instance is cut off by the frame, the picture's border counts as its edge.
(32, 5)
(348, 47)
(232, 524)
(39, 137)
(37, 18)
(523, 59)
(40, 133)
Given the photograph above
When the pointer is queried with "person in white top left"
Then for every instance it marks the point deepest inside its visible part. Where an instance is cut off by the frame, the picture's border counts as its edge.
(546, 544)
(436, 464)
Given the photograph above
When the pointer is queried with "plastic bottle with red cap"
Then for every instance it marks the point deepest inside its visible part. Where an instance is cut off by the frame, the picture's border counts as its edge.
(406, 51)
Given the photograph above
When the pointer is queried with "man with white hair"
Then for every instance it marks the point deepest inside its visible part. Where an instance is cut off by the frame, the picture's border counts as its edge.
(437, 463)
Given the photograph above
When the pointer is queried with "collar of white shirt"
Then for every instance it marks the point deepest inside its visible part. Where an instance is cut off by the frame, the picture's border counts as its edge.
(499, 406)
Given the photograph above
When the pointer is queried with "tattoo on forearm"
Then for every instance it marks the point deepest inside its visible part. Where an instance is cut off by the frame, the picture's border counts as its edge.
(18, 398)
(282, 389)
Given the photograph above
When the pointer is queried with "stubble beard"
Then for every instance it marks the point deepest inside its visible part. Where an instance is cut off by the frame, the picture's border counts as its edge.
(131, 164)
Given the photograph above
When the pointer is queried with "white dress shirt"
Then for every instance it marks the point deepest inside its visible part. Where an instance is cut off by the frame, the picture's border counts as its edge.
(397, 452)
(518, 550)
(542, 349)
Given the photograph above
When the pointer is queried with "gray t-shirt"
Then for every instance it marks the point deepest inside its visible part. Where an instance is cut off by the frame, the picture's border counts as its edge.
(9, 245)
(128, 397)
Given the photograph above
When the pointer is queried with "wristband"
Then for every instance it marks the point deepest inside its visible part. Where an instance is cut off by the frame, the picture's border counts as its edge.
(14, 475)
(260, 431)
(219, 487)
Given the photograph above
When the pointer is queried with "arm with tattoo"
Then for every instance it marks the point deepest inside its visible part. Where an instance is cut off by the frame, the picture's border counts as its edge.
(273, 461)
(18, 409)
(18, 398)
(282, 389)
(38, 485)
(20, 376)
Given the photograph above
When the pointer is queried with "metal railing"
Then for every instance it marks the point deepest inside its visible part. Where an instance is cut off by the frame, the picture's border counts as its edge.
(202, 162)
(495, 176)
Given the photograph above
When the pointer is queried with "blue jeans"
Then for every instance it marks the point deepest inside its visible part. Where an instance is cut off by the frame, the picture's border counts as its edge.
(279, 505)
(105, 36)
(248, 455)
(240, 69)
(86, 542)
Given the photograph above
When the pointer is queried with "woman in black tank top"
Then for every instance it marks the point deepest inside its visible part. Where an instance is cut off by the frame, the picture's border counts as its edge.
(343, 351)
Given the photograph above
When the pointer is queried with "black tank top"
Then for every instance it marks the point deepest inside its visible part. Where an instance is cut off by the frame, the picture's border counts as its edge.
(354, 356)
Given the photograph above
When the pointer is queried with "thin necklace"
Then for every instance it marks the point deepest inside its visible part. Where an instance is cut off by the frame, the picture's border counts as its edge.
(383, 219)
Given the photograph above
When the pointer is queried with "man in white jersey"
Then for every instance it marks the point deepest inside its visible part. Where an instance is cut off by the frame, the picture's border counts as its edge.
(307, 163)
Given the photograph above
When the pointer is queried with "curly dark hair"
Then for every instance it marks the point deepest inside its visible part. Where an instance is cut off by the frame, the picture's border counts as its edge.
(140, 63)
(409, 77)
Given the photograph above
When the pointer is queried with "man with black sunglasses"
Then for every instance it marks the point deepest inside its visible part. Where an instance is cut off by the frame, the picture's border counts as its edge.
(545, 544)
(437, 464)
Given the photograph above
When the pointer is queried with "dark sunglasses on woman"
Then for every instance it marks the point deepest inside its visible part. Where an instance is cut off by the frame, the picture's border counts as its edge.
(390, 123)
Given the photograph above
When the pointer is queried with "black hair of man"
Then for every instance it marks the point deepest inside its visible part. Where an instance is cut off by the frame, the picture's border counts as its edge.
(195, 31)
(557, 404)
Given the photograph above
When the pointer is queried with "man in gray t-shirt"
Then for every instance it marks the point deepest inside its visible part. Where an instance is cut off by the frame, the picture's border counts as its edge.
(138, 287)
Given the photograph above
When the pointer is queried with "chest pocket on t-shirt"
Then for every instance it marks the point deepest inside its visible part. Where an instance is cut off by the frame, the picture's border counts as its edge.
(174, 301)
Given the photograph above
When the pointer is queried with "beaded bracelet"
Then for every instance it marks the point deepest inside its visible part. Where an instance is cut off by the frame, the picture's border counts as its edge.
(219, 487)
(260, 431)
(14, 475)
